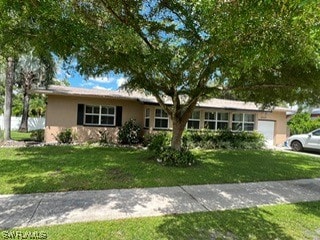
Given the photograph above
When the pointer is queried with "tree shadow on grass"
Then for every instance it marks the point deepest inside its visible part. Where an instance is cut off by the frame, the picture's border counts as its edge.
(239, 224)
(65, 168)
(312, 210)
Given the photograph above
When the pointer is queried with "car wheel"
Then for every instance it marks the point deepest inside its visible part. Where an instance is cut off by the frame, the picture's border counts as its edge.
(296, 146)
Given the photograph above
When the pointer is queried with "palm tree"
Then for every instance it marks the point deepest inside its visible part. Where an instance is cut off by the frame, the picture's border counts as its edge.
(31, 71)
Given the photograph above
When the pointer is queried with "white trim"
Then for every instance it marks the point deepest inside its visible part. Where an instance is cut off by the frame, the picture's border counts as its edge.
(147, 117)
(161, 118)
(194, 119)
(243, 122)
(215, 120)
(100, 115)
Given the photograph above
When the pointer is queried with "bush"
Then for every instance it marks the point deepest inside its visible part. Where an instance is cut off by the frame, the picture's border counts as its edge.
(65, 136)
(105, 137)
(172, 157)
(224, 139)
(158, 141)
(130, 133)
(37, 135)
(303, 123)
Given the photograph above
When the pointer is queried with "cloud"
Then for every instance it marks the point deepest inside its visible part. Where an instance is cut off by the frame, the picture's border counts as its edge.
(101, 88)
(86, 84)
(121, 81)
(101, 79)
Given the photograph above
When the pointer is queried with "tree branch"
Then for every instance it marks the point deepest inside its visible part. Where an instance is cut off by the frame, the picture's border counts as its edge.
(262, 86)
(137, 29)
(191, 27)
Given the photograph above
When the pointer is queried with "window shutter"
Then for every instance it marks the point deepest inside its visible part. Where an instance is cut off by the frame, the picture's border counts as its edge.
(118, 116)
(80, 114)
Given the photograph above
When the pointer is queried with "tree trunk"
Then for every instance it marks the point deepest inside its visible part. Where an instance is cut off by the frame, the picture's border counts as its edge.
(25, 113)
(178, 126)
(177, 132)
(8, 98)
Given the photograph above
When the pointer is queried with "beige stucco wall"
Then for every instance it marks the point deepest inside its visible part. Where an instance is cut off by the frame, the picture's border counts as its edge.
(62, 113)
(280, 132)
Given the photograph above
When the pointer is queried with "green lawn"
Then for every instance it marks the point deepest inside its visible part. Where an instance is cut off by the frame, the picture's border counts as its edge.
(291, 221)
(64, 168)
(20, 136)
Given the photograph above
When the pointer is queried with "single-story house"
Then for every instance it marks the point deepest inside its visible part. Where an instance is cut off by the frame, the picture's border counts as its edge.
(315, 113)
(88, 111)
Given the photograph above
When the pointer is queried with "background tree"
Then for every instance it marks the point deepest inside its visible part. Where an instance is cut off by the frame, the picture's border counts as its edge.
(2, 85)
(33, 24)
(9, 81)
(303, 123)
(32, 71)
(183, 52)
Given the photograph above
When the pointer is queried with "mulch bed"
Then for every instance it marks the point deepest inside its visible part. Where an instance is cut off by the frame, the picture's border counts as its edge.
(13, 143)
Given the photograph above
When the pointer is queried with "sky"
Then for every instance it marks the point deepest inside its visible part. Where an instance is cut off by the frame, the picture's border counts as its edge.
(110, 81)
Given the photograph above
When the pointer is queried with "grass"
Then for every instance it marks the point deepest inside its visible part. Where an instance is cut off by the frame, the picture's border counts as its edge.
(65, 168)
(290, 221)
(20, 136)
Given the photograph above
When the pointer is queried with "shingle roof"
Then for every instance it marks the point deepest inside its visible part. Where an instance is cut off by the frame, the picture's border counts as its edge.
(148, 99)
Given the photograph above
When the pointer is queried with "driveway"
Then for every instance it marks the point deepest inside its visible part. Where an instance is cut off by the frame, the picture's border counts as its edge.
(306, 153)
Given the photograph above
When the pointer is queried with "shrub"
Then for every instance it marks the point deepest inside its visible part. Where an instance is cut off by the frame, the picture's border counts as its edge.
(303, 123)
(224, 139)
(37, 135)
(158, 141)
(130, 133)
(172, 157)
(65, 136)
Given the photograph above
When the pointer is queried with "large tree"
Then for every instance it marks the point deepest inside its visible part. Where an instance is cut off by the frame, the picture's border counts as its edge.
(27, 25)
(188, 51)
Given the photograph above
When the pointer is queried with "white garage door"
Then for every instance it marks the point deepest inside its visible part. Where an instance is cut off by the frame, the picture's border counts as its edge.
(267, 129)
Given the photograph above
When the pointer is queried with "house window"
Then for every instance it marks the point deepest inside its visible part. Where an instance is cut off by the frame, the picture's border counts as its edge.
(216, 120)
(161, 119)
(147, 118)
(243, 122)
(100, 115)
(210, 120)
(222, 121)
(194, 120)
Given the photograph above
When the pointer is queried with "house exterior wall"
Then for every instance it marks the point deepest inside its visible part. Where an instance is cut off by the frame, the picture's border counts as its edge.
(62, 113)
(280, 119)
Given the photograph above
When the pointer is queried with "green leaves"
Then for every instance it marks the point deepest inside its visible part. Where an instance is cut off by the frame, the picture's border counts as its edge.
(264, 51)
(303, 123)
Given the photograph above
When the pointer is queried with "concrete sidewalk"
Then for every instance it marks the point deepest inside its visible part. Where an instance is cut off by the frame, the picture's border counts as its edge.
(81, 206)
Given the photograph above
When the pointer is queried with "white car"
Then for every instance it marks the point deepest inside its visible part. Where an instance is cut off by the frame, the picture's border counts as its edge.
(309, 141)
